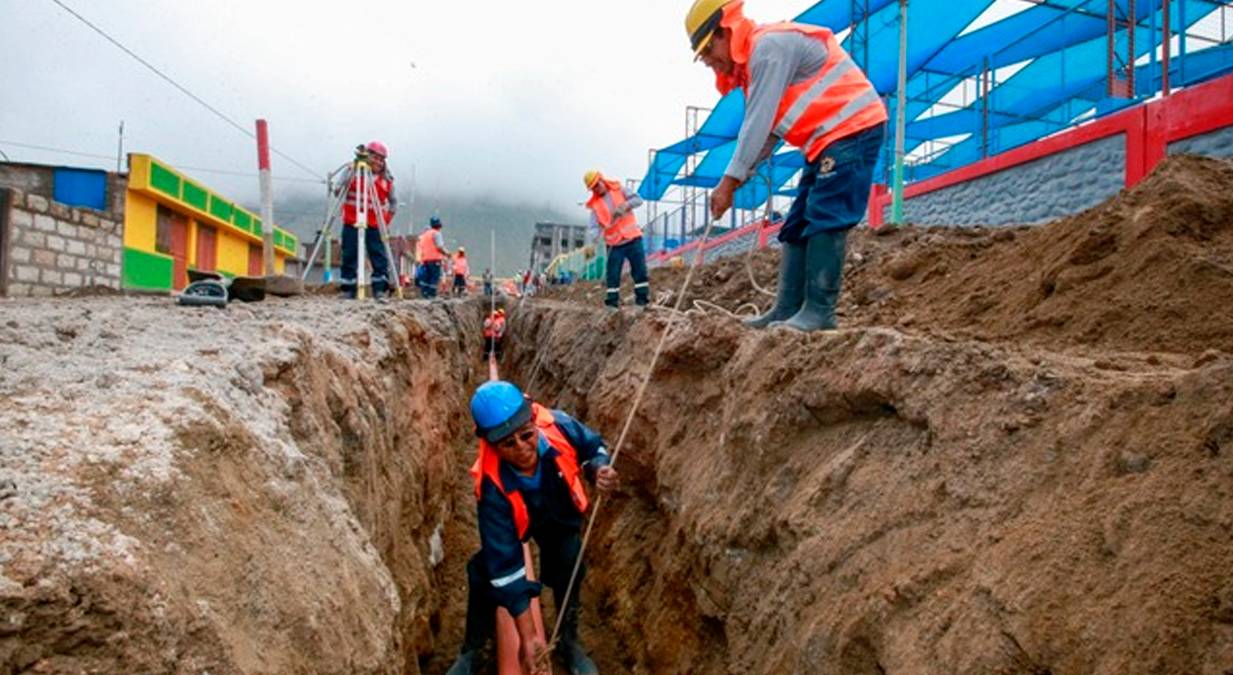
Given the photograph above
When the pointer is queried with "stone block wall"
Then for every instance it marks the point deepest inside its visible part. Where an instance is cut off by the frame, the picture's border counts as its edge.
(1218, 143)
(49, 248)
(1035, 192)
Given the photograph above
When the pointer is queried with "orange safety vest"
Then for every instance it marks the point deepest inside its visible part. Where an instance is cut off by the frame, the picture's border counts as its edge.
(838, 101)
(626, 227)
(488, 464)
(494, 326)
(383, 186)
(460, 265)
(428, 251)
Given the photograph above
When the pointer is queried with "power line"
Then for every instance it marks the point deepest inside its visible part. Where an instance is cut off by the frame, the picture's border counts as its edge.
(177, 85)
(92, 155)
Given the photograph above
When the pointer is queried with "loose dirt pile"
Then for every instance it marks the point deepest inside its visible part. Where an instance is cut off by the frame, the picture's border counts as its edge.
(1142, 272)
(262, 489)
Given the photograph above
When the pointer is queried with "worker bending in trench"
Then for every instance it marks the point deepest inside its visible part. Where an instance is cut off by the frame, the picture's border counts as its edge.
(528, 481)
(800, 87)
(612, 215)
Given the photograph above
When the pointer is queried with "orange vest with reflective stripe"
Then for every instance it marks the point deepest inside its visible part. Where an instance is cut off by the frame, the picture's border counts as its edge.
(626, 227)
(838, 101)
(428, 251)
(488, 464)
(382, 185)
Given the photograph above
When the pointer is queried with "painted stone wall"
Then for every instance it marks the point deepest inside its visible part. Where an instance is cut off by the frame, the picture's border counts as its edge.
(52, 248)
(1218, 143)
(1035, 192)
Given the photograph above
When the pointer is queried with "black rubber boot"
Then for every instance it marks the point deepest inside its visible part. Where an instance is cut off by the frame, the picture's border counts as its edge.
(824, 255)
(572, 655)
(791, 291)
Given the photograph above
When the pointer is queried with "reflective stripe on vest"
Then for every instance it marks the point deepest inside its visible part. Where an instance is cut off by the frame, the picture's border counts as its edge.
(836, 102)
(427, 248)
(626, 227)
(488, 465)
(350, 205)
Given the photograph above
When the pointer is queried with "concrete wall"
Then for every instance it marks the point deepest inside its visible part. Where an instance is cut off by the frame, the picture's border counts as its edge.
(1034, 192)
(50, 248)
(1218, 143)
(736, 246)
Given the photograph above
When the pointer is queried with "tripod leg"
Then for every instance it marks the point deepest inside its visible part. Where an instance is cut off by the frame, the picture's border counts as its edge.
(361, 224)
(389, 252)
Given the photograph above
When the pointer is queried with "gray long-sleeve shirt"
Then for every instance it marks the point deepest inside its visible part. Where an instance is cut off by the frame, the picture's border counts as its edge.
(632, 201)
(779, 61)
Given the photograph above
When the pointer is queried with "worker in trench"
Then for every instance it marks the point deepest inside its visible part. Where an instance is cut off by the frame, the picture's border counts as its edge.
(528, 482)
(431, 251)
(612, 215)
(386, 202)
(494, 334)
(800, 87)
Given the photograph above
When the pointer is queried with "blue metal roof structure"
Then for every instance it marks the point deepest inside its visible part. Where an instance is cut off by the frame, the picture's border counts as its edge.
(1049, 66)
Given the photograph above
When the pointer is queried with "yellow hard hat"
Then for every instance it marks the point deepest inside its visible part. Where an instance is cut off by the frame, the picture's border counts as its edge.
(462, 250)
(591, 177)
(702, 20)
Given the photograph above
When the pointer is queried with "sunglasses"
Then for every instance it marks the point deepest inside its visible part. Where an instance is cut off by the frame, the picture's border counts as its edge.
(518, 437)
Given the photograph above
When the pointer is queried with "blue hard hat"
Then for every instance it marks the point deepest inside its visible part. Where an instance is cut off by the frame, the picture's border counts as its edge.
(434, 222)
(498, 409)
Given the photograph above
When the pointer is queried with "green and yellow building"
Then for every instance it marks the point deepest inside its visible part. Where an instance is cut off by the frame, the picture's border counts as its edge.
(173, 223)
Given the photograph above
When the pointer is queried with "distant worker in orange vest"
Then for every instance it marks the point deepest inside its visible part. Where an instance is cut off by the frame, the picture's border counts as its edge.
(430, 249)
(529, 485)
(462, 270)
(802, 88)
(612, 214)
(385, 202)
(494, 333)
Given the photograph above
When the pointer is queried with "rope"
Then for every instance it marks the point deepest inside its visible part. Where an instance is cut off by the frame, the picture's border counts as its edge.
(616, 453)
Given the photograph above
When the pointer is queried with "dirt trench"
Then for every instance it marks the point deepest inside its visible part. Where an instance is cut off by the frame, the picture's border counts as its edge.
(282, 488)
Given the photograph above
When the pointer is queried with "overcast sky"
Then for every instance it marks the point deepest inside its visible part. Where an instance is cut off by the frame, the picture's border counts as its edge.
(512, 98)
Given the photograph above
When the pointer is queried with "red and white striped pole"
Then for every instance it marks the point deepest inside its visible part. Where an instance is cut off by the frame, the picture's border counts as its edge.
(267, 197)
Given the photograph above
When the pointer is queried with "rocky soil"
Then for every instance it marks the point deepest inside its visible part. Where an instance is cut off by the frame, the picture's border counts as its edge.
(257, 490)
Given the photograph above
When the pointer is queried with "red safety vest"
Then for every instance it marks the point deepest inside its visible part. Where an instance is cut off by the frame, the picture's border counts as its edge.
(428, 251)
(460, 265)
(383, 185)
(837, 102)
(626, 227)
(494, 326)
(487, 465)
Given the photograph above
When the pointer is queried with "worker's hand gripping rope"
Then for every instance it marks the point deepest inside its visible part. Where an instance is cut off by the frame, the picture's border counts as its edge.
(629, 419)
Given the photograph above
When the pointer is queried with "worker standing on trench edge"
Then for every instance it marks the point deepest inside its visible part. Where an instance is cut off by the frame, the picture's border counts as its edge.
(612, 214)
(386, 202)
(430, 248)
(800, 87)
(462, 270)
(528, 483)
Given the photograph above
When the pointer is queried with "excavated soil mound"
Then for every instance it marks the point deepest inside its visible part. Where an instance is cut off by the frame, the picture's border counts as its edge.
(1141, 272)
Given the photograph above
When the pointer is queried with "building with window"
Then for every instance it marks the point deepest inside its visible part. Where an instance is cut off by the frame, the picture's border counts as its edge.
(172, 223)
(553, 239)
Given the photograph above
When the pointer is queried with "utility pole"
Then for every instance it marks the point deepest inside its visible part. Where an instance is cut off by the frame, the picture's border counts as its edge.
(267, 197)
(900, 114)
(120, 148)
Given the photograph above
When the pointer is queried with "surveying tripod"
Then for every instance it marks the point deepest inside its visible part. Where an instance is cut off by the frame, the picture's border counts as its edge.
(359, 179)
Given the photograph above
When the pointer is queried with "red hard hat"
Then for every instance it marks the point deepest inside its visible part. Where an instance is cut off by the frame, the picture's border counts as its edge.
(377, 147)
